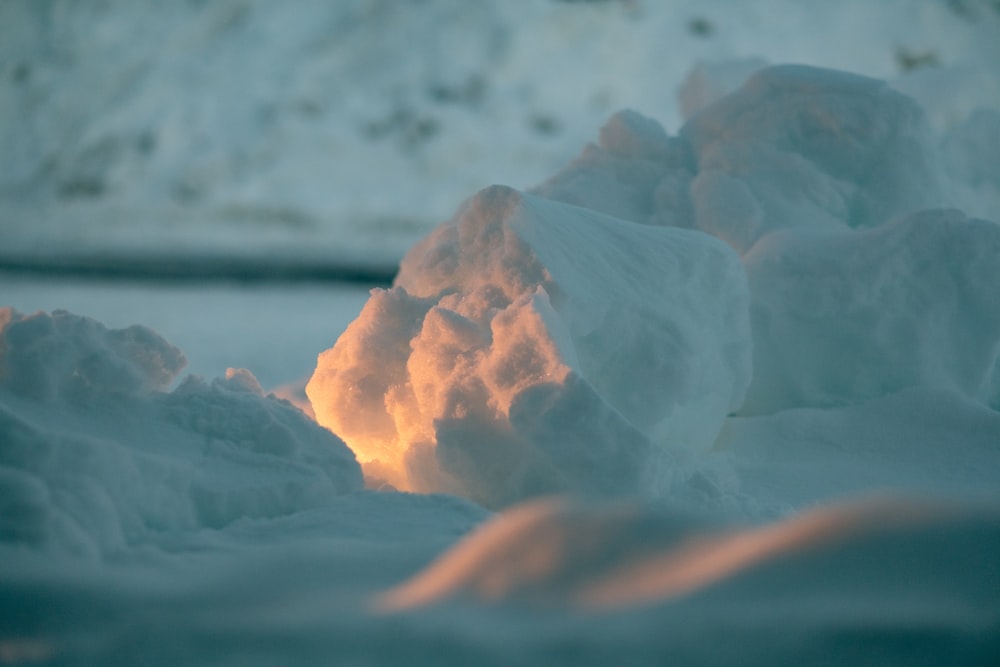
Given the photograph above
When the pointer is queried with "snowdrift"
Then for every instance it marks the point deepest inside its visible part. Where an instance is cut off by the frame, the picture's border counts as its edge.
(97, 457)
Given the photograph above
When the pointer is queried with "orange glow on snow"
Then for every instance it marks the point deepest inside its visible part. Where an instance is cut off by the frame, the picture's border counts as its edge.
(525, 554)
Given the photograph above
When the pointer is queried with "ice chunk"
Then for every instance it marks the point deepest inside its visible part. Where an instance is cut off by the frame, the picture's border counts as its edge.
(840, 318)
(95, 458)
(803, 146)
(530, 346)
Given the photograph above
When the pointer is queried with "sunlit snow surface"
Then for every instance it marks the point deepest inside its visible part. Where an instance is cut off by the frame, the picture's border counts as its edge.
(757, 353)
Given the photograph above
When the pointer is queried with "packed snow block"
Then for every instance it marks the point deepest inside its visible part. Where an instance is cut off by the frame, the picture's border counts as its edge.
(529, 346)
(801, 146)
(96, 456)
(840, 318)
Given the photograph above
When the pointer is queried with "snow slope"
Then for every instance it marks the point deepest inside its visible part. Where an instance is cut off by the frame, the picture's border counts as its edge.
(339, 131)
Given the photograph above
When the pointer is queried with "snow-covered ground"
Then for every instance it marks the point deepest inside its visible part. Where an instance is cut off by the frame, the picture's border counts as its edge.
(339, 130)
(708, 382)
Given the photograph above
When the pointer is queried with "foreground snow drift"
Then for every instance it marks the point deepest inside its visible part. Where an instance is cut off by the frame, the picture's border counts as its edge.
(884, 553)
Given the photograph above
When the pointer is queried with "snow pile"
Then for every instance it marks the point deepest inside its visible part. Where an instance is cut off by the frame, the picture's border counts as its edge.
(842, 318)
(529, 310)
(530, 347)
(794, 146)
(843, 151)
(97, 458)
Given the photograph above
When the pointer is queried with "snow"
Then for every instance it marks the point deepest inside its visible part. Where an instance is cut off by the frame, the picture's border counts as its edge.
(224, 128)
(842, 318)
(98, 458)
(515, 317)
(754, 353)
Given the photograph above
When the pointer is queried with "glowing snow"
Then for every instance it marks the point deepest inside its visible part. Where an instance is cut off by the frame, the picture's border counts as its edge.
(530, 347)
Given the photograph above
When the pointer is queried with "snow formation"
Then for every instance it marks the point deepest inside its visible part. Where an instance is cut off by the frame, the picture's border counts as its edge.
(514, 320)
(97, 456)
(548, 341)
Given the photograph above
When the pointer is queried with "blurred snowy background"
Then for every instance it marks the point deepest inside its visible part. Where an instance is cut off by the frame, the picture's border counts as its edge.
(322, 133)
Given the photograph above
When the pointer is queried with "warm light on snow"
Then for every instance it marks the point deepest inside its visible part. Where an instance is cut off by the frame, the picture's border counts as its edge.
(532, 347)
(556, 553)
(722, 389)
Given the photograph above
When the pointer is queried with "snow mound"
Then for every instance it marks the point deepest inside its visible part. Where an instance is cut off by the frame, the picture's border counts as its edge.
(794, 146)
(61, 356)
(840, 318)
(884, 555)
(804, 146)
(529, 347)
(97, 458)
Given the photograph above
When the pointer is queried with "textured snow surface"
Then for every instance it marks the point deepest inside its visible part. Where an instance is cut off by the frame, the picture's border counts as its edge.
(531, 347)
(770, 335)
(97, 458)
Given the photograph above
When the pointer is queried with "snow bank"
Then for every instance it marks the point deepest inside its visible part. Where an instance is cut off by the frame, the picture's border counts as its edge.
(529, 346)
(96, 457)
(843, 318)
